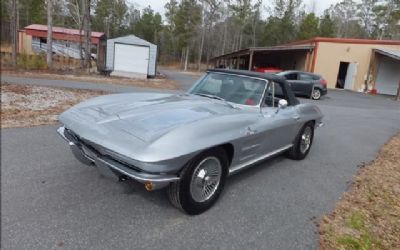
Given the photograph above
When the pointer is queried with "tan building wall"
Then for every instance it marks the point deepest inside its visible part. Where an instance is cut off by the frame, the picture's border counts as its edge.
(330, 54)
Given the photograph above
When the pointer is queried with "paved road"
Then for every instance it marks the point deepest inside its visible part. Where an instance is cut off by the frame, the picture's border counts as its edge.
(184, 80)
(50, 200)
(77, 84)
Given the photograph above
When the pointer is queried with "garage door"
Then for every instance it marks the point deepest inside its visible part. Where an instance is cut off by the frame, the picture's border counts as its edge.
(388, 76)
(131, 58)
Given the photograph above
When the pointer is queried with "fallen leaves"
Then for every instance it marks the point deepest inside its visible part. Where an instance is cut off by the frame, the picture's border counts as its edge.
(158, 82)
(368, 215)
(25, 106)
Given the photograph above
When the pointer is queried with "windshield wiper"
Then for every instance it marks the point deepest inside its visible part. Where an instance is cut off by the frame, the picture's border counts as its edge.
(211, 96)
(215, 97)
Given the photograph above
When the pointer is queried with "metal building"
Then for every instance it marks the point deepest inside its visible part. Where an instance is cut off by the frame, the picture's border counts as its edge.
(353, 64)
(131, 56)
(66, 42)
(385, 70)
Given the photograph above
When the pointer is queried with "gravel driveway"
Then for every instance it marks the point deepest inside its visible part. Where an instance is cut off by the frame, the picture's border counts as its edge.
(50, 200)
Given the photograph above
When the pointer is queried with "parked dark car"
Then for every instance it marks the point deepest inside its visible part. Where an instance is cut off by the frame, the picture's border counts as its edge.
(306, 84)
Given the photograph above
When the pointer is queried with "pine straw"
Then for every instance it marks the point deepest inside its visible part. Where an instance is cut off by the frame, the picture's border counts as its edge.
(368, 215)
(26, 106)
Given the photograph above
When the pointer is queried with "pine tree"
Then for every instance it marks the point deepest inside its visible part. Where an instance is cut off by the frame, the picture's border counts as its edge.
(327, 26)
(186, 21)
(308, 27)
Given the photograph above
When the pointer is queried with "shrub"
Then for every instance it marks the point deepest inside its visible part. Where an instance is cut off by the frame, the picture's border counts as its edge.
(26, 61)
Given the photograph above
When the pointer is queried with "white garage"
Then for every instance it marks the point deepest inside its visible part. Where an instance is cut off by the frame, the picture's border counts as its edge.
(131, 56)
(388, 71)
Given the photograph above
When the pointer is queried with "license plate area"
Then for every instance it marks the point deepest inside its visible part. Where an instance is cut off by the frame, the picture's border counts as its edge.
(105, 170)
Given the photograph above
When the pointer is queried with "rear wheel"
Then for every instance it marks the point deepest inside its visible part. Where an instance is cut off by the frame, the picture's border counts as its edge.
(202, 181)
(316, 94)
(302, 143)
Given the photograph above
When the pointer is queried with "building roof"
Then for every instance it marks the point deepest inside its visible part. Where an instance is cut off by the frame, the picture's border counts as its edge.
(395, 54)
(345, 40)
(131, 39)
(306, 45)
(265, 49)
(61, 33)
(62, 30)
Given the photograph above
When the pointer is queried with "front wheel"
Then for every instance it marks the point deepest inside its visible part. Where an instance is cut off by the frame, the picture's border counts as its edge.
(201, 183)
(316, 94)
(302, 143)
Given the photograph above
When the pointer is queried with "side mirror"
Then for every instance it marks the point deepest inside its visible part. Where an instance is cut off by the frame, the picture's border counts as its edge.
(282, 104)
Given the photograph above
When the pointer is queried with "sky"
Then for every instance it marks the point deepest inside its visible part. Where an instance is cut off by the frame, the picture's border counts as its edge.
(158, 5)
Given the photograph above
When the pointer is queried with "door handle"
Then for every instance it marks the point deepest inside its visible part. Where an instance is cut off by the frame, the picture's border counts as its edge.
(296, 117)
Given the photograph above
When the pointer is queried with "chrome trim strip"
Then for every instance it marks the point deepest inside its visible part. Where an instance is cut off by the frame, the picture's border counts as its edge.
(60, 131)
(242, 166)
(138, 176)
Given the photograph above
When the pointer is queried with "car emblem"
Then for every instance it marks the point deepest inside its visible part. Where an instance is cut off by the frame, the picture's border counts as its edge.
(249, 131)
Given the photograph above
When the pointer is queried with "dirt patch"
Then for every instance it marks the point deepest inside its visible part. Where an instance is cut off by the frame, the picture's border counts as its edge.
(25, 106)
(368, 215)
(158, 82)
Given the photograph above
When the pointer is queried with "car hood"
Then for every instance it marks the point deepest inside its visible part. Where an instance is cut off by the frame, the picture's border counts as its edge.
(146, 116)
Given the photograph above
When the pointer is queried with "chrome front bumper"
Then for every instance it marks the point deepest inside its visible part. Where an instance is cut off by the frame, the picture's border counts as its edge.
(109, 166)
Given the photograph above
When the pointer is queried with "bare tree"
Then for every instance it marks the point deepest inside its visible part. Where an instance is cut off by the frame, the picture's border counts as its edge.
(224, 36)
(49, 33)
(87, 35)
(74, 8)
(203, 33)
(14, 32)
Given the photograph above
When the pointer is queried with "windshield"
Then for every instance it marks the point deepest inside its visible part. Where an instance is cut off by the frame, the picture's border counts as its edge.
(232, 88)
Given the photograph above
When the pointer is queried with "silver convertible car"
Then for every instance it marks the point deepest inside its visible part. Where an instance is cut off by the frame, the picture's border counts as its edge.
(190, 143)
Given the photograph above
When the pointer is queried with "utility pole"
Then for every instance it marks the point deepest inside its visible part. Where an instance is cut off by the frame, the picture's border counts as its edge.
(49, 34)
(14, 33)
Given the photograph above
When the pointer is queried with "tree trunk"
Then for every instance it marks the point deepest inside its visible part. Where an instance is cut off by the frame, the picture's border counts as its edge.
(240, 39)
(203, 34)
(208, 60)
(14, 33)
(254, 29)
(49, 34)
(186, 58)
(87, 35)
(182, 57)
(224, 37)
(80, 45)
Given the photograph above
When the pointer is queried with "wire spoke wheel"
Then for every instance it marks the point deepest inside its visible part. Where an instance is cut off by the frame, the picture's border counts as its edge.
(316, 94)
(205, 179)
(305, 141)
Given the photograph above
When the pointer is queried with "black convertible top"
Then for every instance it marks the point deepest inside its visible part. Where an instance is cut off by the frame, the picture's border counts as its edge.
(267, 76)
